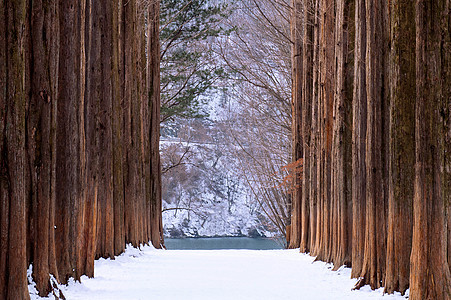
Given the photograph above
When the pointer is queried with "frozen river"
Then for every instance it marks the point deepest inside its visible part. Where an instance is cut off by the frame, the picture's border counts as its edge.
(220, 243)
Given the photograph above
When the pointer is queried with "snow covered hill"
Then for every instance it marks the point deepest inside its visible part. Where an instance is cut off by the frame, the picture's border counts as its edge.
(204, 191)
(202, 195)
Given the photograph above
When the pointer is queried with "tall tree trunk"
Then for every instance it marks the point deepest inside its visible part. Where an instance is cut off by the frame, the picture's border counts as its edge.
(117, 124)
(297, 218)
(153, 86)
(53, 73)
(359, 125)
(341, 153)
(102, 16)
(430, 273)
(373, 271)
(445, 110)
(402, 145)
(4, 202)
(142, 96)
(315, 148)
(130, 179)
(307, 97)
(41, 125)
(327, 99)
(67, 139)
(13, 193)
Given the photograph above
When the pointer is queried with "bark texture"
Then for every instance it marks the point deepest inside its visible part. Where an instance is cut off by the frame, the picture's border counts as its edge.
(79, 134)
(298, 209)
(402, 143)
(430, 274)
(375, 126)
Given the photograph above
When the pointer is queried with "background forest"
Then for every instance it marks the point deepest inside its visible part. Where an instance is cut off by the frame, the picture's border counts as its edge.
(226, 120)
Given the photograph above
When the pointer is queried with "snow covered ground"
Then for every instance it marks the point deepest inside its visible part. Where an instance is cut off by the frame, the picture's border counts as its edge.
(216, 275)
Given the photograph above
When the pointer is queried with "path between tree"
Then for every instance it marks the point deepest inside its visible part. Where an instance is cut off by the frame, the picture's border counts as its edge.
(217, 274)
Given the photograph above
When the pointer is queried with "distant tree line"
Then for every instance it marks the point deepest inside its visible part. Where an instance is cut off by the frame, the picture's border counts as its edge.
(79, 135)
(257, 102)
(372, 123)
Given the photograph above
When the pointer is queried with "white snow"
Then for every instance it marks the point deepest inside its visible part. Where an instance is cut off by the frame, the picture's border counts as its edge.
(219, 201)
(216, 275)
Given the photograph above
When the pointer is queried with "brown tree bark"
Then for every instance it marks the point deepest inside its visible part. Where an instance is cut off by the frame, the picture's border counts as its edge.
(4, 202)
(102, 18)
(327, 64)
(315, 148)
(67, 139)
(53, 73)
(370, 160)
(153, 75)
(359, 125)
(41, 124)
(13, 158)
(65, 74)
(373, 272)
(402, 146)
(307, 97)
(298, 218)
(342, 133)
(130, 180)
(141, 108)
(117, 124)
(445, 147)
(430, 274)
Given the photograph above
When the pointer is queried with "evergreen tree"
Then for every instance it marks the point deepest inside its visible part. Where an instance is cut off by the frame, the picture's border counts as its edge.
(188, 28)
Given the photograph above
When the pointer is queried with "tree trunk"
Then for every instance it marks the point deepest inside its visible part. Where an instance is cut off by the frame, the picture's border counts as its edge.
(327, 64)
(4, 202)
(315, 149)
(402, 146)
(13, 194)
(373, 271)
(430, 274)
(297, 218)
(117, 124)
(41, 125)
(359, 125)
(307, 99)
(130, 180)
(105, 132)
(341, 150)
(153, 77)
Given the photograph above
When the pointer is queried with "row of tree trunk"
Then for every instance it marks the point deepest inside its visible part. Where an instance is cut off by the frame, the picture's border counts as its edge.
(372, 123)
(79, 133)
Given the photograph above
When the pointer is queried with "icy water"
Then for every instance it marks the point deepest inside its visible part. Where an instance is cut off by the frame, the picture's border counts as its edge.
(222, 243)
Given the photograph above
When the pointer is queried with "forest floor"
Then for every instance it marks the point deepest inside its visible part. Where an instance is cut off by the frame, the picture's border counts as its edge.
(215, 275)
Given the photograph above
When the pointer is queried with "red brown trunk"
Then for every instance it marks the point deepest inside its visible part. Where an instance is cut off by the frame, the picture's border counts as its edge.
(373, 271)
(359, 125)
(13, 212)
(307, 95)
(153, 86)
(430, 274)
(402, 146)
(341, 150)
(117, 124)
(297, 218)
